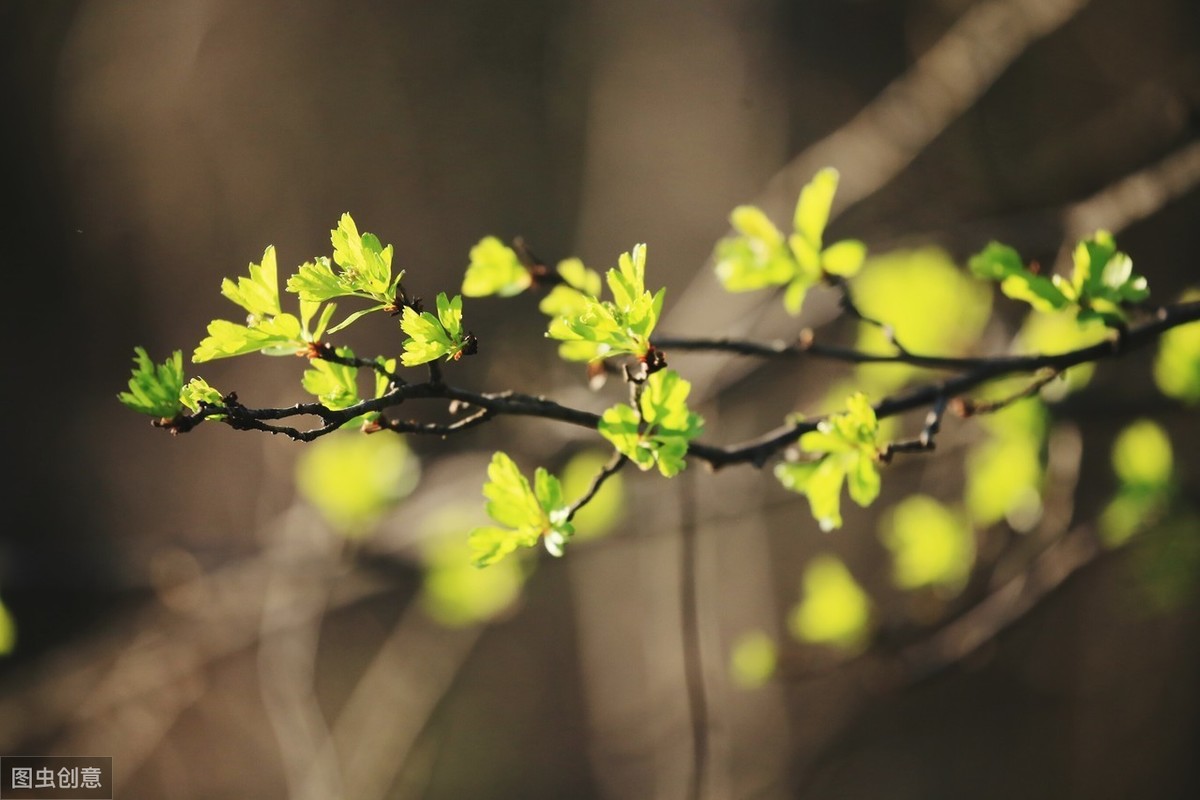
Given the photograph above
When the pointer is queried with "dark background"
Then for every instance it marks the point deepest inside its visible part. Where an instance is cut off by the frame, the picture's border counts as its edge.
(150, 149)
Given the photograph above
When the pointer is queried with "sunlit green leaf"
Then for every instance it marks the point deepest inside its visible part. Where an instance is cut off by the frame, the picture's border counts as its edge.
(834, 610)
(334, 384)
(847, 446)
(259, 293)
(667, 425)
(525, 515)
(608, 328)
(433, 337)
(812, 210)
(198, 391)
(366, 265)
(155, 389)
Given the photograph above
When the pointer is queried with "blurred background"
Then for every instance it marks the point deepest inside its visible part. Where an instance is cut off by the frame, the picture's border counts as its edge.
(202, 609)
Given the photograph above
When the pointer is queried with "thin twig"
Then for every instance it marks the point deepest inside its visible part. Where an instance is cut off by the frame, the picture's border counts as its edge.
(611, 468)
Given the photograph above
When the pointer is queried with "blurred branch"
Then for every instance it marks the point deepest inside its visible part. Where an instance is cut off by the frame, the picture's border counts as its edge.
(1136, 196)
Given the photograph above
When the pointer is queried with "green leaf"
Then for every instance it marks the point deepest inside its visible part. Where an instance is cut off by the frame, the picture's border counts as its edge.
(660, 433)
(258, 294)
(611, 328)
(834, 610)
(999, 262)
(524, 515)
(433, 337)
(812, 210)
(334, 384)
(494, 269)
(155, 389)
(757, 258)
(366, 264)
(198, 391)
(355, 317)
(931, 544)
(848, 448)
(579, 277)
(315, 282)
(275, 336)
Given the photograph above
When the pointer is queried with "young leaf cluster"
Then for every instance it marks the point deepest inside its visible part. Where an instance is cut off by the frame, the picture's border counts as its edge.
(658, 431)
(431, 338)
(1101, 287)
(760, 256)
(524, 515)
(155, 389)
(603, 328)
(847, 450)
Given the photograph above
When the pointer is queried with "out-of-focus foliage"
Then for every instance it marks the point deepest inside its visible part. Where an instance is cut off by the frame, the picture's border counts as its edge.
(525, 515)
(1143, 462)
(1058, 332)
(752, 659)
(155, 389)
(658, 431)
(454, 592)
(833, 609)
(848, 448)
(8, 631)
(932, 544)
(495, 269)
(353, 480)
(606, 507)
(760, 256)
(1005, 471)
(1177, 365)
(943, 312)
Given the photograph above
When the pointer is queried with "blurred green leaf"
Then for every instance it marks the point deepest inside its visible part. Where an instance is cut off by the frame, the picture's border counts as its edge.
(155, 389)
(1060, 332)
(1004, 479)
(1142, 455)
(1177, 365)
(834, 610)
(931, 544)
(932, 306)
(494, 269)
(8, 631)
(353, 479)
(455, 593)
(752, 660)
